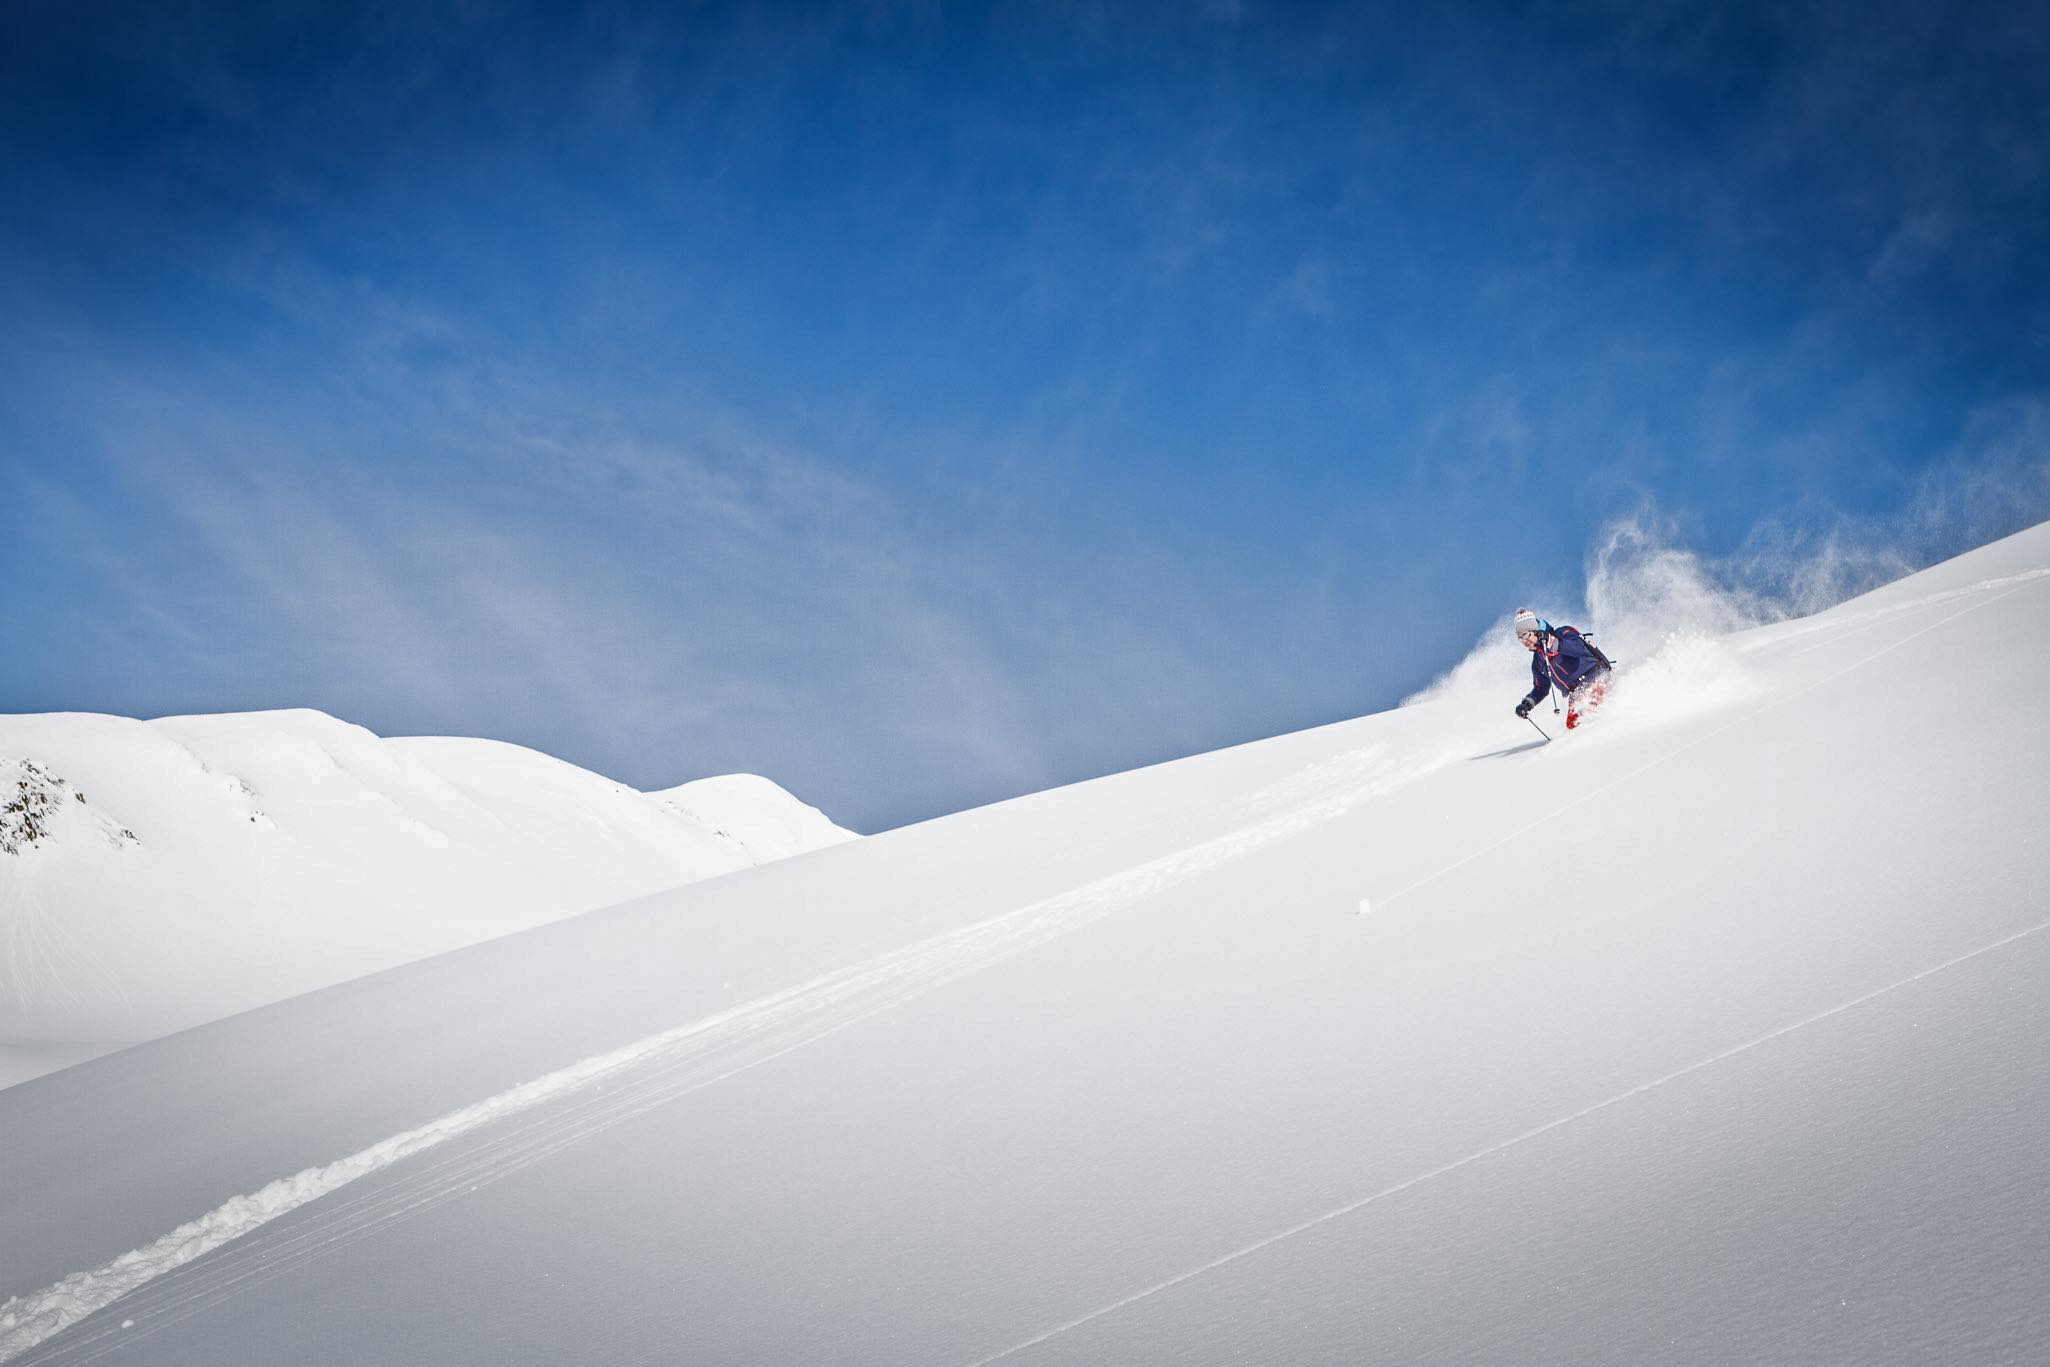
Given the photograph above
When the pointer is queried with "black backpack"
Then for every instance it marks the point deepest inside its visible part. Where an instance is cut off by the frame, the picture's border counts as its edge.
(1587, 641)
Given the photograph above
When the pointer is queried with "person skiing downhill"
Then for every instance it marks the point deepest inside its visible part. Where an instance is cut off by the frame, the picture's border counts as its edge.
(1561, 658)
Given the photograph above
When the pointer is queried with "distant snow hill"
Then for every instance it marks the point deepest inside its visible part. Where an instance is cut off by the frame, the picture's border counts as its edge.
(1715, 1032)
(154, 875)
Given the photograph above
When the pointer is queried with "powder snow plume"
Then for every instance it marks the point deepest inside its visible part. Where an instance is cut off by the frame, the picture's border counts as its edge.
(1653, 603)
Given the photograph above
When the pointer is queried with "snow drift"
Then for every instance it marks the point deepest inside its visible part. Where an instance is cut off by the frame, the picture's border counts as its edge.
(154, 875)
(1710, 1033)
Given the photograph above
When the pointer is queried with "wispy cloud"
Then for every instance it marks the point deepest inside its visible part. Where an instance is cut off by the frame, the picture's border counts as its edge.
(656, 596)
(922, 404)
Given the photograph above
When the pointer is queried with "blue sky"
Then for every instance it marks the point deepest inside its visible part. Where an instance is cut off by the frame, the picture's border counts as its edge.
(924, 404)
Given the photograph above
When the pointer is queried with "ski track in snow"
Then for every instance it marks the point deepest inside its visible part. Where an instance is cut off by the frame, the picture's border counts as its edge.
(1477, 1155)
(662, 1067)
(43, 958)
(647, 1073)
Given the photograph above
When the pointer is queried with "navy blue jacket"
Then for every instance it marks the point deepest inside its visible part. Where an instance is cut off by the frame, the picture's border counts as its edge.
(1562, 660)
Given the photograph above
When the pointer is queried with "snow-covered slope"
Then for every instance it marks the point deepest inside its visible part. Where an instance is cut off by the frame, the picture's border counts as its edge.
(1712, 1033)
(157, 874)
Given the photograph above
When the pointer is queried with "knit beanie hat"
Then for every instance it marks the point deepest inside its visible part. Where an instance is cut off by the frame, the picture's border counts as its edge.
(1526, 620)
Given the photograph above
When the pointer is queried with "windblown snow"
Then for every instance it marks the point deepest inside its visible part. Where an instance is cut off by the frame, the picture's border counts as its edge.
(154, 875)
(1712, 1032)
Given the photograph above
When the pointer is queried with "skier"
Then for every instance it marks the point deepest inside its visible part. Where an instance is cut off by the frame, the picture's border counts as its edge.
(1560, 657)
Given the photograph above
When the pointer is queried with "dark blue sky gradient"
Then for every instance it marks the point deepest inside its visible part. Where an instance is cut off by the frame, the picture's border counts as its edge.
(922, 404)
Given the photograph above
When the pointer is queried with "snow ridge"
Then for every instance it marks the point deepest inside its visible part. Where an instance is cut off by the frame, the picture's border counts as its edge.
(160, 901)
(810, 1011)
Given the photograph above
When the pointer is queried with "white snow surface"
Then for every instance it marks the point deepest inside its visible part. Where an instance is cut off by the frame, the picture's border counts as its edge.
(753, 813)
(1713, 1032)
(175, 871)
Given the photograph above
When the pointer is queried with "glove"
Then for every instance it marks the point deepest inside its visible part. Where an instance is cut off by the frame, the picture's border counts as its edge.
(1523, 709)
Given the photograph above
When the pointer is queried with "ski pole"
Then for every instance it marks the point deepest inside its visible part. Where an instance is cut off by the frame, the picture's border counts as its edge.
(1533, 721)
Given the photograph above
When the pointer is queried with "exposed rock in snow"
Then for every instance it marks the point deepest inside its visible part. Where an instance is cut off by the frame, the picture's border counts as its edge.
(34, 809)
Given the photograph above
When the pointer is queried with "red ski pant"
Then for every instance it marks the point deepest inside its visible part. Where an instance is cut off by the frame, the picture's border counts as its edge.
(1586, 699)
